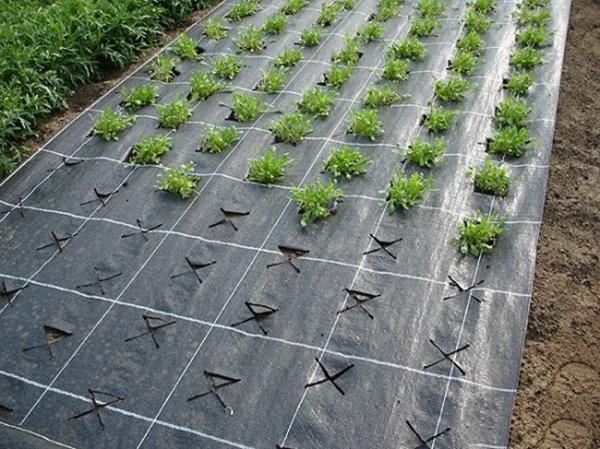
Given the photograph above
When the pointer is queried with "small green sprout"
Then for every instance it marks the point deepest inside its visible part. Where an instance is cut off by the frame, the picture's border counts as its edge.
(407, 48)
(250, 39)
(227, 66)
(511, 112)
(476, 21)
(215, 29)
(173, 115)
(425, 154)
(484, 6)
(163, 68)
(275, 24)
(510, 141)
(365, 123)
(180, 180)
(337, 75)
(203, 85)
(533, 16)
(452, 89)
(370, 31)
(396, 70)
(316, 201)
(439, 119)
(349, 53)
(533, 36)
(430, 8)
(289, 57)
(185, 48)
(519, 83)
(310, 37)
(380, 96)
(478, 235)
(291, 7)
(269, 168)
(526, 58)
(317, 101)
(471, 41)
(386, 9)
(348, 4)
(329, 12)
(346, 162)
(491, 178)
(246, 107)
(138, 97)
(218, 139)
(405, 192)
(150, 149)
(108, 123)
(273, 79)
(424, 26)
(464, 62)
(243, 8)
(291, 128)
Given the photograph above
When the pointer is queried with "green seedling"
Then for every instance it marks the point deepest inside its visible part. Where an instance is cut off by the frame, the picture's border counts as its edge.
(348, 4)
(535, 3)
(163, 69)
(519, 83)
(384, 95)
(439, 119)
(293, 6)
(424, 26)
(452, 89)
(533, 16)
(476, 21)
(243, 8)
(329, 12)
(203, 85)
(215, 29)
(405, 192)
(526, 58)
(425, 154)
(370, 31)
(464, 62)
(218, 139)
(471, 41)
(150, 149)
(396, 70)
(510, 141)
(138, 97)
(349, 53)
(288, 58)
(317, 101)
(291, 128)
(275, 24)
(511, 112)
(430, 8)
(316, 201)
(346, 162)
(246, 107)
(273, 79)
(185, 48)
(310, 37)
(386, 9)
(490, 178)
(250, 38)
(407, 48)
(533, 36)
(173, 115)
(365, 123)
(484, 6)
(337, 75)
(180, 180)
(227, 66)
(108, 124)
(478, 235)
(269, 168)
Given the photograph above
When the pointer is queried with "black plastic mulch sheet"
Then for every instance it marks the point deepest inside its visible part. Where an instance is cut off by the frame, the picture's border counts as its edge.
(137, 331)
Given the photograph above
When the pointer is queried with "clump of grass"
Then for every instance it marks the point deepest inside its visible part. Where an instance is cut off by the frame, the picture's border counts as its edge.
(243, 8)
(365, 123)
(533, 36)
(185, 48)
(370, 31)
(384, 95)
(275, 24)
(316, 201)
(425, 154)
(108, 123)
(150, 149)
(218, 139)
(173, 115)
(407, 48)
(291, 128)
(289, 57)
(348, 4)
(337, 75)
(491, 178)
(163, 68)
(293, 6)
(203, 85)
(452, 89)
(329, 12)
(317, 101)
(424, 26)
(519, 83)
(511, 112)
(396, 69)
(349, 53)
(533, 16)
(346, 162)
(470, 41)
(250, 38)
(430, 8)
(386, 9)
(310, 37)
(476, 21)
(269, 168)
(180, 180)
(478, 235)
(526, 58)
(439, 119)
(272, 79)
(405, 192)
(138, 97)
(510, 141)
(227, 66)
(484, 6)
(464, 62)
(215, 29)
(246, 107)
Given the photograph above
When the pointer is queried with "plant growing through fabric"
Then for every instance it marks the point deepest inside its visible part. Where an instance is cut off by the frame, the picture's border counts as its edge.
(186, 48)
(452, 89)
(348, 4)
(250, 38)
(349, 53)
(138, 97)
(346, 162)
(227, 66)
(424, 26)
(269, 168)
(365, 123)
(275, 24)
(241, 9)
(396, 69)
(180, 180)
(370, 31)
(316, 200)
(317, 101)
(407, 48)
(471, 41)
(163, 68)
(329, 13)
(464, 62)
(291, 128)
(215, 29)
(310, 37)
(337, 75)
(519, 83)
(491, 178)
(405, 192)
(439, 119)
(511, 112)
(383, 95)
(203, 85)
(526, 58)
(293, 6)
(478, 235)
(218, 139)
(484, 6)
(476, 21)
(531, 15)
(151, 149)
(288, 58)
(430, 8)
(108, 123)
(173, 115)
(533, 36)
(425, 154)
(246, 107)
(510, 141)
(273, 79)
(386, 9)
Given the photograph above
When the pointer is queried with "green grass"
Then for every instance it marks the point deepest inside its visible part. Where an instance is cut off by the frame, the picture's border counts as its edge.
(138, 97)
(407, 48)
(471, 41)
(490, 178)
(316, 201)
(250, 38)
(185, 48)
(396, 70)
(430, 8)
(533, 36)
(291, 7)
(203, 85)
(526, 58)
(180, 180)
(269, 168)
(478, 235)
(464, 62)
(227, 66)
(275, 24)
(476, 21)
(365, 123)
(425, 154)
(150, 149)
(519, 83)
(273, 79)
(242, 9)
(452, 89)
(439, 119)
(405, 192)
(511, 112)
(289, 57)
(310, 37)
(163, 68)
(218, 139)
(349, 54)
(108, 124)
(329, 13)
(370, 31)
(173, 115)
(246, 107)
(383, 95)
(424, 26)
(346, 162)
(215, 29)
(337, 75)
(510, 141)
(317, 101)
(291, 128)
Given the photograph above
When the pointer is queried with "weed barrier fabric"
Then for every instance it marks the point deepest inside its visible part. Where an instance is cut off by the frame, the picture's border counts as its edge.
(130, 322)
